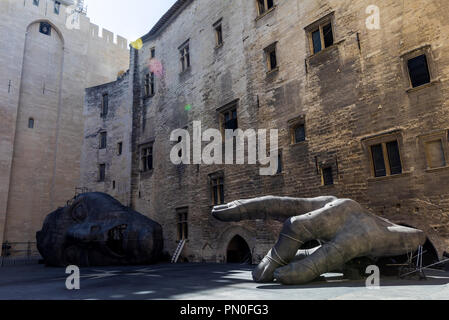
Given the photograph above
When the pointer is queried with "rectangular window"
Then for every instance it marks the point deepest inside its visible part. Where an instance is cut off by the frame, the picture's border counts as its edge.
(153, 53)
(280, 164)
(101, 172)
(270, 53)
(264, 5)
(380, 170)
(386, 159)
(36, 2)
(217, 183)
(419, 71)
(105, 105)
(57, 7)
(103, 140)
(119, 148)
(321, 36)
(185, 56)
(218, 34)
(327, 176)
(394, 157)
(183, 227)
(31, 123)
(299, 133)
(149, 84)
(229, 119)
(45, 28)
(147, 158)
(435, 154)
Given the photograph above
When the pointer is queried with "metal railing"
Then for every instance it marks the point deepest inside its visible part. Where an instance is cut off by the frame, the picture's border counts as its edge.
(19, 253)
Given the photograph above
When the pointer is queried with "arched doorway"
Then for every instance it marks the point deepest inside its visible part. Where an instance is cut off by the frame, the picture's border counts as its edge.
(238, 251)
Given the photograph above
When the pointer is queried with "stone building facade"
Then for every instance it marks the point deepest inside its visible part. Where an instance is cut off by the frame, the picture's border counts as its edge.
(357, 89)
(48, 56)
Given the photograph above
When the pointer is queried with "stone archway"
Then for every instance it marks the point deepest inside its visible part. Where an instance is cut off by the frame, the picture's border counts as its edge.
(236, 238)
(238, 251)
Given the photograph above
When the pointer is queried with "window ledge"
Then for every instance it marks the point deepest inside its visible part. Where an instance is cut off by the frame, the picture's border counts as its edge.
(427, 85)
(148, 96)
(396, 176)
(261, 16)
(182, 73)
(329, 186)
(146, 174)
(431, 170)
(335, 45)
(273, 71)
(301, 143)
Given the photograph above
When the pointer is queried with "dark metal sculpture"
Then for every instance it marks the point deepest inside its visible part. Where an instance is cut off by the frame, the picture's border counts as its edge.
(97, 230)
(347, 230)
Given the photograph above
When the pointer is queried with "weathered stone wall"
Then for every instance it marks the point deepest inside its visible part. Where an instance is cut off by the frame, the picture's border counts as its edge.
(118, 126)
(348, 93)
(44, 77)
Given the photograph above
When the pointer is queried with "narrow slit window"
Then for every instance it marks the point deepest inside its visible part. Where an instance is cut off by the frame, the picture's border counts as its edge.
(218, 35)
(147, 158)
(102, 173)
(183, 227)
(217, 190)
(185, 56)
(119, 148)
(31, 123)
(328, 35)
(316, 38)
(394, 158)
(57, 7)
(280, 164)
(328, 177)
(380, 169)
(103, 140)
(105, 105)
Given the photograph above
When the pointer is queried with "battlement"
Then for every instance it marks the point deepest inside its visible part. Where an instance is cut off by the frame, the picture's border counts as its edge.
(66, 10)
(107, 36)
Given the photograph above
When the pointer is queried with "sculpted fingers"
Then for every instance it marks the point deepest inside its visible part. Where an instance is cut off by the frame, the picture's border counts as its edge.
(330, 257)
(268, 207)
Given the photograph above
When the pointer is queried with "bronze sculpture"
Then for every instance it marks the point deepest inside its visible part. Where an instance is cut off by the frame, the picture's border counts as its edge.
(347, 230)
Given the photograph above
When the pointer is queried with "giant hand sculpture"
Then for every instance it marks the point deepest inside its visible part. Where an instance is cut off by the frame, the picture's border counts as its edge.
(347, 230)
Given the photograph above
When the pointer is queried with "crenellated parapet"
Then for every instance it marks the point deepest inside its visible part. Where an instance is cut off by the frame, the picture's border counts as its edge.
(107, 36)
(68, 17)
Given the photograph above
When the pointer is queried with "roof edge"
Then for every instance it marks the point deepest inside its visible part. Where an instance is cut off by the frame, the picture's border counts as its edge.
(163, 22)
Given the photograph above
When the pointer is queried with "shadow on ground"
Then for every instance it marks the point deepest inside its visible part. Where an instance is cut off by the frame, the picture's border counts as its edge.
(192, 282)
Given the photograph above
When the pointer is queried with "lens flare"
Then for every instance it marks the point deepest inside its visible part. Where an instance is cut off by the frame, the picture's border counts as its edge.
(138, 44)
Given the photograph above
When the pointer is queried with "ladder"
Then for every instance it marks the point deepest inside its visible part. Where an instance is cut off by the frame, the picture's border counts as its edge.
(178, 251)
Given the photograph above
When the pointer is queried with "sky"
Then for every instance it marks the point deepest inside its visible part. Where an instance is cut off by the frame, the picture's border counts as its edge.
(128, 18)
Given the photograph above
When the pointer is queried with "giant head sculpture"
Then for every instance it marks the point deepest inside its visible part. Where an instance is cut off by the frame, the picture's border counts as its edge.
(97, 230)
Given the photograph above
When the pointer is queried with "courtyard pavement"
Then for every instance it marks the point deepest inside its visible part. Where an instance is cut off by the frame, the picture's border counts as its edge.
(199, 282)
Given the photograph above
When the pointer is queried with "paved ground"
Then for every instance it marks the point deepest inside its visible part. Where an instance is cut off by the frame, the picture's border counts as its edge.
(198, 282)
